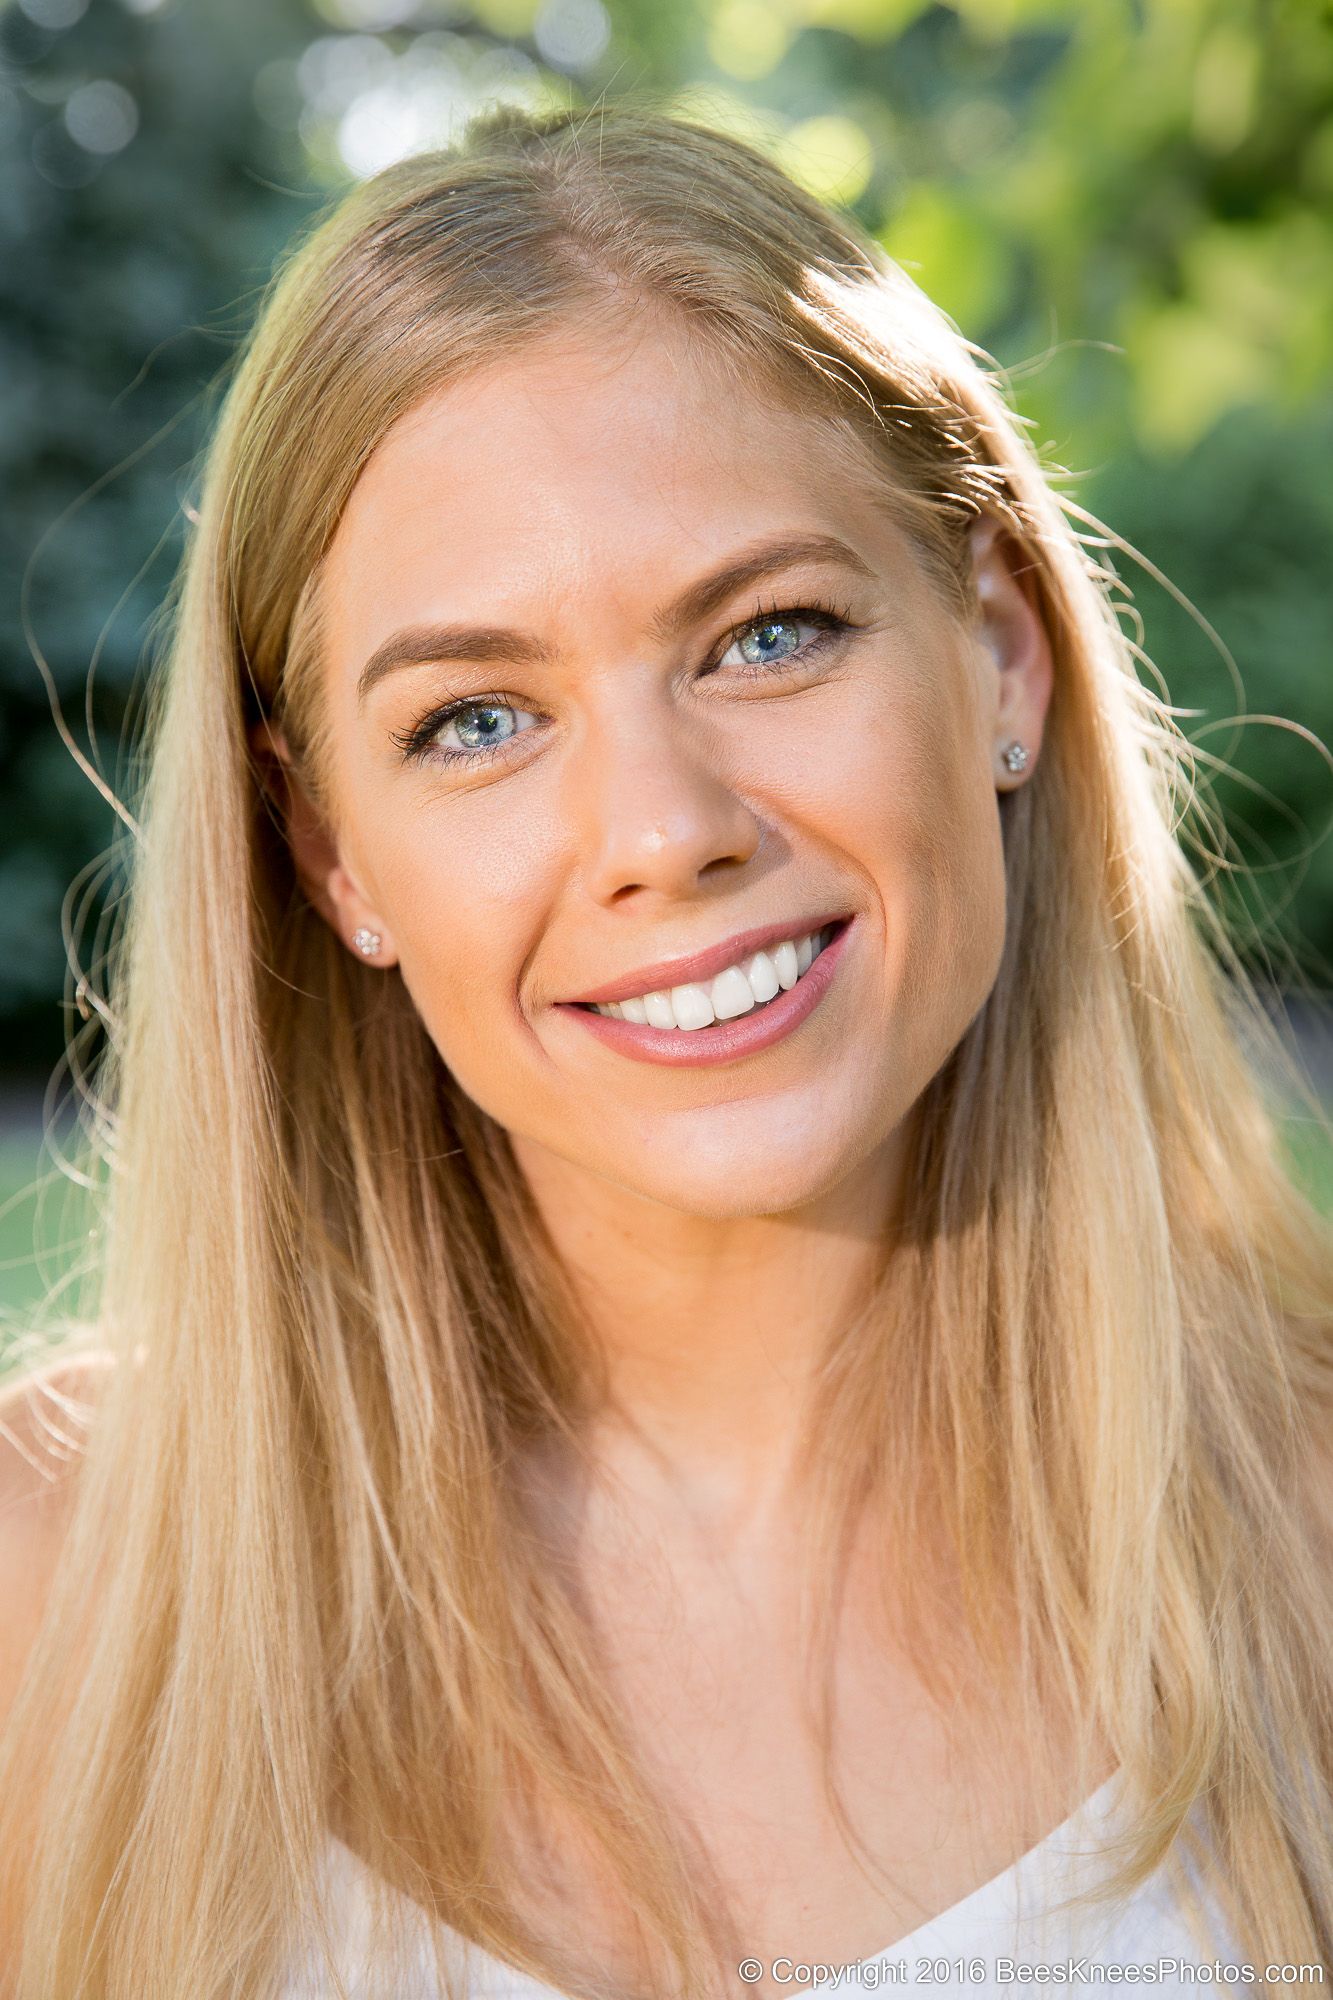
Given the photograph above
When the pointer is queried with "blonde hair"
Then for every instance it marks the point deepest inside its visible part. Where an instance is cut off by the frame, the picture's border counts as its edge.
(1101, 1342)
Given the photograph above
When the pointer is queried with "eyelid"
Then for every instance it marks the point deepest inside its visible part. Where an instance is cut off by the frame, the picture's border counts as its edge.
(814, 609)
(442, 713)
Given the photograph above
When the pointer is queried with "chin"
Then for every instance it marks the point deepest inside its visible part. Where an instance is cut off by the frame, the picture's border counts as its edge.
(722, 1181)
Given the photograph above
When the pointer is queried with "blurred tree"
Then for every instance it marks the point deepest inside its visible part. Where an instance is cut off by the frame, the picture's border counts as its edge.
(135, 221)
(1126, 202)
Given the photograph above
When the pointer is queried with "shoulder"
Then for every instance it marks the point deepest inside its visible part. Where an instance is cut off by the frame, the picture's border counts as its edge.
(44, 1419)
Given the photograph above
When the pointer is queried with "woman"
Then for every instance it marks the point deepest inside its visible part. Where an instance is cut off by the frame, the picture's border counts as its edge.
(710, 1338)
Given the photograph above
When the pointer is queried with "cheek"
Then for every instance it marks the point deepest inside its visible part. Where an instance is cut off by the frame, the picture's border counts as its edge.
(920, 812)
(465, 899)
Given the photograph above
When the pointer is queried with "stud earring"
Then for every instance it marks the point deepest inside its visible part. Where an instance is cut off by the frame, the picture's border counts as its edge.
(367, 942)
(1016, 757)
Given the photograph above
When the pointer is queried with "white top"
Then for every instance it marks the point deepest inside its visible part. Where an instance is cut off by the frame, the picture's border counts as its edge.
(1013, 1917)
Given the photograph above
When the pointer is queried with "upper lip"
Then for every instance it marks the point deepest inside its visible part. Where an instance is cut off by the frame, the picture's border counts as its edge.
(702, 965)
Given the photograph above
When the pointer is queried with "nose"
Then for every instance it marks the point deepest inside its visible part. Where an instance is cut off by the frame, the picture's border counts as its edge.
(652, 805)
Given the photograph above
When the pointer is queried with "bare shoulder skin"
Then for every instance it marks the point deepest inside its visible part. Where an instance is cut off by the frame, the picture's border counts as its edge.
(43, 1422)
(44, 1417)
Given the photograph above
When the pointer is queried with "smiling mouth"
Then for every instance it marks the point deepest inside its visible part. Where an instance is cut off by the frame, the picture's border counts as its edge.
(749, 987)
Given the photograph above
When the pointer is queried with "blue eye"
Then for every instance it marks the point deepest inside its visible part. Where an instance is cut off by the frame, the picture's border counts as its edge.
(482, 719)
(775, 639)
(477, 723)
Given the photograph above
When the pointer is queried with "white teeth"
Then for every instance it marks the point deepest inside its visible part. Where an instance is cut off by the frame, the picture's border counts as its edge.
(763, 977)
(693, 1007)
(735, 991)
(785, 965)
(731, 994)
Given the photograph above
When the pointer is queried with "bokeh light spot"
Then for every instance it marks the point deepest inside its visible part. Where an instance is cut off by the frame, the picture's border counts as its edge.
(571, 34)
(747, 39)
(831, 157)
(101, 117)
(415, 101)
(55, 14)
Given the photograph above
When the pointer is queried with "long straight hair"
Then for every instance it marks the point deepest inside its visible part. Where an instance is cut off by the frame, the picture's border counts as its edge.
(1095, 1365)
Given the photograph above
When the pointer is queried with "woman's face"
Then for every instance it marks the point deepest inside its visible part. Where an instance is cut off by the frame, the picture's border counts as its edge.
(710, 690)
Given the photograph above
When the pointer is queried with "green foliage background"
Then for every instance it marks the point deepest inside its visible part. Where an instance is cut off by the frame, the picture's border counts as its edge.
(1128, 203)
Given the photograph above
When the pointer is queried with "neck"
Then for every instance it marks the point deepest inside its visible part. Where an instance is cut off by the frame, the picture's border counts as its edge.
(711, 1332)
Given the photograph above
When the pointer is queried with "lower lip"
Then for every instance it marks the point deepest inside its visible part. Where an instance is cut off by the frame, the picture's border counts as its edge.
(725, 1041)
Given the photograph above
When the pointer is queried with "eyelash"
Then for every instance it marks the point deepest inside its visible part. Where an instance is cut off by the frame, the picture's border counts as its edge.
(831, 624)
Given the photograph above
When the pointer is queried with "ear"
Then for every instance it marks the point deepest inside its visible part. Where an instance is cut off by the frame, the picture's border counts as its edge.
(328, 883)
(1011, 628)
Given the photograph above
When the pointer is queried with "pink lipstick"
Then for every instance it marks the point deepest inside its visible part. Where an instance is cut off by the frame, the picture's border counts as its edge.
(724, 1041)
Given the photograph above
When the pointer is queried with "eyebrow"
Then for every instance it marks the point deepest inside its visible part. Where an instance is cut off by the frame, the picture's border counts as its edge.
(423, 645)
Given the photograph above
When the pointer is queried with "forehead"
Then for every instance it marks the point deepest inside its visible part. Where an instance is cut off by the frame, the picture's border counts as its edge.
(609, 458)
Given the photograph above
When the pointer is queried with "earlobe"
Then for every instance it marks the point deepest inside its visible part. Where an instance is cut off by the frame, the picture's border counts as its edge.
(328, 885)
(356, 922)
(1012, 630)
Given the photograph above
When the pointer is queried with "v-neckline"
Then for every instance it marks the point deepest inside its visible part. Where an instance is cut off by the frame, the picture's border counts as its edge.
(1093, 1810)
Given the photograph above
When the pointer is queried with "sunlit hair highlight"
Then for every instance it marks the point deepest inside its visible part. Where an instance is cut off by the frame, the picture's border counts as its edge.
(1091, 1376)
